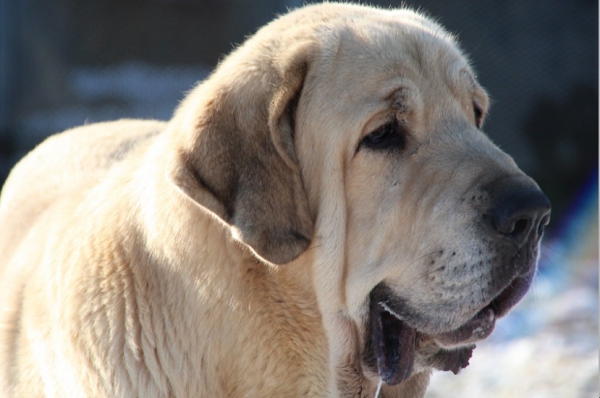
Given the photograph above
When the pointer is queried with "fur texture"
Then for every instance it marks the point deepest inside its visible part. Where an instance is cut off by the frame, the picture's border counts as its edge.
(232, 251)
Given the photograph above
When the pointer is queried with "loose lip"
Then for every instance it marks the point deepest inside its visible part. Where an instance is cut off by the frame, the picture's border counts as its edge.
(393, 341)
(481, 325)
(477, 328)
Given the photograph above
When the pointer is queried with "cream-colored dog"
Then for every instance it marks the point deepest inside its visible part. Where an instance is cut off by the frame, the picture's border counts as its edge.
(321, 214)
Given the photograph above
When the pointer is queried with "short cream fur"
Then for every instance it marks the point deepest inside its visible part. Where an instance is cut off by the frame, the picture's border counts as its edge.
(231, 251)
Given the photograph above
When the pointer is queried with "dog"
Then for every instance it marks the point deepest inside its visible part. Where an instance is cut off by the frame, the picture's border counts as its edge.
(322, 217)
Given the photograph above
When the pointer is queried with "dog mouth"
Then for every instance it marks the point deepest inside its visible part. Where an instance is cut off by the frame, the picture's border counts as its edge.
(393, 340)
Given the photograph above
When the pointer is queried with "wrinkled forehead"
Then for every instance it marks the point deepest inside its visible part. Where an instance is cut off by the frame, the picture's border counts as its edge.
(370, 64)
(400, 47)
(369, 61)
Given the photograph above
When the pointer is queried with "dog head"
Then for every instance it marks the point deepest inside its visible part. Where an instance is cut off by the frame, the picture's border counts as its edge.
(361, 130)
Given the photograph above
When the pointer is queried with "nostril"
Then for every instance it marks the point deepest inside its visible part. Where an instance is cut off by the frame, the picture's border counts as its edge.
(511, 226)
(518, 214)
(521, 226)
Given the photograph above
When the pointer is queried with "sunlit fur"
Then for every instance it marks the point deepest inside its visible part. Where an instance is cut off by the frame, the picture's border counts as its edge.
(142, 258)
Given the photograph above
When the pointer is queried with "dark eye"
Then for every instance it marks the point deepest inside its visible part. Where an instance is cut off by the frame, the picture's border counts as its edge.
(389, 136)
(478, 113)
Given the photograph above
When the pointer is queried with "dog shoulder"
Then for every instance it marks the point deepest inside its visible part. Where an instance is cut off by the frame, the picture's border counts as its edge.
(65, 164)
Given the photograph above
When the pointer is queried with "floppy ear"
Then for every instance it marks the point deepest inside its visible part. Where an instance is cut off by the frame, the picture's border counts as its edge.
(238, 157)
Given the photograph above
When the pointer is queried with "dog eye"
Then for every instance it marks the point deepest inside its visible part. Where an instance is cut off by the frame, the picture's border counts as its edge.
(478, 113)
(389, 136)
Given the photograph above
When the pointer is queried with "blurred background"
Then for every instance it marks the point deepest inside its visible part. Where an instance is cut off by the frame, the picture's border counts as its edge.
(69, 62)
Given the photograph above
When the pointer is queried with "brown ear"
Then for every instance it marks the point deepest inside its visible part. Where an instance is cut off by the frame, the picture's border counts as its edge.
(239, 160)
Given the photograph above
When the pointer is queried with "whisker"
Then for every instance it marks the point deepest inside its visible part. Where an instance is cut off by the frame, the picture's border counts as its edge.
(429, 273)
(550, 248)
(379, 387)
(419, 259)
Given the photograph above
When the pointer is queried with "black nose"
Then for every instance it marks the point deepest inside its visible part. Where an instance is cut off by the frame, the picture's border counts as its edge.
(520, 213)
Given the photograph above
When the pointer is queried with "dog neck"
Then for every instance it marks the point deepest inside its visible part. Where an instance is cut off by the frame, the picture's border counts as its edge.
(228, 298)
